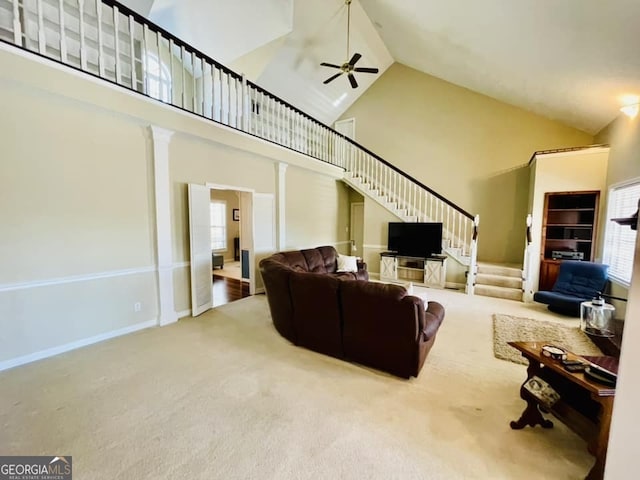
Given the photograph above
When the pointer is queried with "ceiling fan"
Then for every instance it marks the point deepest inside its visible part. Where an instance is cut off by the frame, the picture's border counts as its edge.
(350, 65)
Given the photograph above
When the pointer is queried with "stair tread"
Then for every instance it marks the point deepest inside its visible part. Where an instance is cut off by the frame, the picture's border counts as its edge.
(497, 288)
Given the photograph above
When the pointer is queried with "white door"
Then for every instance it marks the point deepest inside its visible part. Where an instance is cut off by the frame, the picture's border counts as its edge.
(200, 241)
(357, 229)
(346, 127)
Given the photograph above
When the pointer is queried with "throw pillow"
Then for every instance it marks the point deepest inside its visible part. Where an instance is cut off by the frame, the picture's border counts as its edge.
(347, 263)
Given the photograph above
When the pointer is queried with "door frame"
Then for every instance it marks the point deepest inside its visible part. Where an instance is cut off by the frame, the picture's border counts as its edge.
(351, 236)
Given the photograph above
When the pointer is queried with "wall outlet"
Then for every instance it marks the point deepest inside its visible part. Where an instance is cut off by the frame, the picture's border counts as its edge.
(137, 307)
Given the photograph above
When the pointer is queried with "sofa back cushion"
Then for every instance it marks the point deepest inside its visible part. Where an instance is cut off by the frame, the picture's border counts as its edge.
(321, 259)
(293, 259)
(382, 326)
(316, 312)
(581, 279)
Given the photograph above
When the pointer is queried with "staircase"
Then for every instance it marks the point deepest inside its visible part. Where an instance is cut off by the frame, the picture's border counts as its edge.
(499, 281)
(112, 42)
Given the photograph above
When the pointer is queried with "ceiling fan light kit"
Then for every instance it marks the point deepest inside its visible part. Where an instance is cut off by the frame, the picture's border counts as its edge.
(348, 66)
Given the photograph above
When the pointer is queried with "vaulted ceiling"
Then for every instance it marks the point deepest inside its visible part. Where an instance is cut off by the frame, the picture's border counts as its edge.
(570, 60)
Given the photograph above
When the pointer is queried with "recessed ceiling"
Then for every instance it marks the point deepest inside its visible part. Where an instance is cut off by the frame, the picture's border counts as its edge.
(570, 60)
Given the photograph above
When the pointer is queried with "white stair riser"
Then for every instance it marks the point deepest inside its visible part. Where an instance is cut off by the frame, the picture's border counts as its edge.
(499, 292)
(498, 281)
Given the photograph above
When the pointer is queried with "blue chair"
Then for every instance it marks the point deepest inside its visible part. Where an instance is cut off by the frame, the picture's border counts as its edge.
(577, 281)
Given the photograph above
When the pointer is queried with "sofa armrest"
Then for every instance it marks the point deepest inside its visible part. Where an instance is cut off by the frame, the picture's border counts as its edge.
(433, 316)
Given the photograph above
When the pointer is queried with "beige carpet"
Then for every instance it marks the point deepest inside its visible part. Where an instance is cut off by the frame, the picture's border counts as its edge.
(508, 328)
(222, 396)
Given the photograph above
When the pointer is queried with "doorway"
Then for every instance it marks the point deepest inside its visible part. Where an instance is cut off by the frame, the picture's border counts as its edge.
(217, 216)
(228, 284)
(356, 228)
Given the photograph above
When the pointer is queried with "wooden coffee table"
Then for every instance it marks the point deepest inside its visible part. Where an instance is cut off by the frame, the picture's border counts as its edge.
(585, 406)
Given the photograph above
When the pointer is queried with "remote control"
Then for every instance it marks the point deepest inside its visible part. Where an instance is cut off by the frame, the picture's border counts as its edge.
(602, 371)
(575, 367)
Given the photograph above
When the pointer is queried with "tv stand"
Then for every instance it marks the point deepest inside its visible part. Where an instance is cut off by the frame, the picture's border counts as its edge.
(429, 271)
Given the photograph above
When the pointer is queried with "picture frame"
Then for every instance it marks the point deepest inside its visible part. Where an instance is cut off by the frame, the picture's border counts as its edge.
(236, 214)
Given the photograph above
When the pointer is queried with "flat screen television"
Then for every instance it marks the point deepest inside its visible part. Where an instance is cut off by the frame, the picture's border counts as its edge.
(415, 239)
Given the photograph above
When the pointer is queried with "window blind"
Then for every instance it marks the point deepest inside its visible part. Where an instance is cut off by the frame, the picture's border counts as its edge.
(218, 225)
(620, 240)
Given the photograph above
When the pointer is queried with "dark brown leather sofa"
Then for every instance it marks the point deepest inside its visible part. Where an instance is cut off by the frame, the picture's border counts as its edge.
(374, 324)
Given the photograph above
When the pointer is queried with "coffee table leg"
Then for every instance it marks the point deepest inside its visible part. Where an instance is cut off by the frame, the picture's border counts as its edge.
(531, 415)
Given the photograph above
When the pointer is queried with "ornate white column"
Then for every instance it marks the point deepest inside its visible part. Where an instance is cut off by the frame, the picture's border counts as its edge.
(281, 189)
(164, 246)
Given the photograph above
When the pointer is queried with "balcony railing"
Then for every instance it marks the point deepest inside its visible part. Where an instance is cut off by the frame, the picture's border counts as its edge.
(108, 40)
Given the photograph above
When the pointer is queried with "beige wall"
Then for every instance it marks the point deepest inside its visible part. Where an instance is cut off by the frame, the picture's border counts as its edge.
(317, 211)
(466, 146)
(78, 204)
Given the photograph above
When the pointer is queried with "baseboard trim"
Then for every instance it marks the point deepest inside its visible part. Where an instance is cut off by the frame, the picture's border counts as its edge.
(50, 352)
(184, 313)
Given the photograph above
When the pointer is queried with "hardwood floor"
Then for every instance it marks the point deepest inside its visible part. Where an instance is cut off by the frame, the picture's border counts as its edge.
(227, 290)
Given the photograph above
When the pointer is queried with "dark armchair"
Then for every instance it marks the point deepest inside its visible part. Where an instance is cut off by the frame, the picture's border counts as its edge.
(577, 281)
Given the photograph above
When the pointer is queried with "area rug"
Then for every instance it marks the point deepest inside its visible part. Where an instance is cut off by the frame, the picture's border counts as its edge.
(507, 328)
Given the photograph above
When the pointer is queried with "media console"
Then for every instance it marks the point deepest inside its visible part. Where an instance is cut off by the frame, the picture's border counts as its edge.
(429, 271)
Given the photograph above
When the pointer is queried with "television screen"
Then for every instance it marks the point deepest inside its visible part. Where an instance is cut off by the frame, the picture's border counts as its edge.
(415, 239)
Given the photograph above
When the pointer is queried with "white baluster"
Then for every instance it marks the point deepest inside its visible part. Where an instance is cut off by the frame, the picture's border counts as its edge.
(116, 42)
(184, 78)
(83, 47)
(172, 89)
(246, 105)
(228, 77)
(203, 90)
(63, 36)
(194, 86)
(17, 24)
(100, 39)
(42, 40)
(145, 58)
(132, 52)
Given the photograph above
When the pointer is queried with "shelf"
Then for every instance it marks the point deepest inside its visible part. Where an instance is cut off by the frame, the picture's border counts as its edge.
(571, 209)
(568, 240)
(572, 225)
(400, 267)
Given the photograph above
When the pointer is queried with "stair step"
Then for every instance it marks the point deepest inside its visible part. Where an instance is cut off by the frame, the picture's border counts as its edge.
(498, 292)
(498, 280)
(497, 269)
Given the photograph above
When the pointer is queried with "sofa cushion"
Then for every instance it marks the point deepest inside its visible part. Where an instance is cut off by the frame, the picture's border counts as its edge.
(316, 312)
(581, 279)
(321, 259)
(294, 260)
(382, 326)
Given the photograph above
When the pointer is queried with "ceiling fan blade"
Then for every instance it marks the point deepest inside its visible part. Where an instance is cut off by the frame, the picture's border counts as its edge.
(324, 64)
(352, 80)
(366, 70)
(332, 78)
(355, 58)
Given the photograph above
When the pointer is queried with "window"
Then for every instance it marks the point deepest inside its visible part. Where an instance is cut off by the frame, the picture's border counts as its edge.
(158, 79)
(620, 240)
(218, 225)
